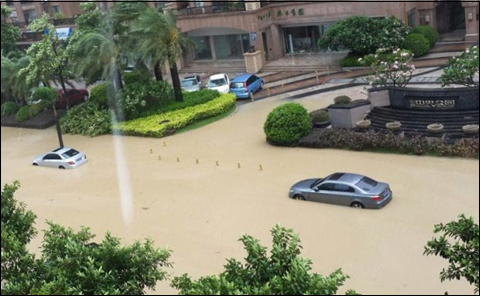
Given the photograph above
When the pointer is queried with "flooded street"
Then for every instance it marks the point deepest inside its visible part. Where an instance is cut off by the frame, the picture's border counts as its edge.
(201, 210)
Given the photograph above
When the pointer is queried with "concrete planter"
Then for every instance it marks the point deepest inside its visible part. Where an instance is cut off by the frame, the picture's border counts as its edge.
(324, 124)
(364, 124)
(379, 97)
(471, 129)
(394, 126)
(436, 128)
(347, 116)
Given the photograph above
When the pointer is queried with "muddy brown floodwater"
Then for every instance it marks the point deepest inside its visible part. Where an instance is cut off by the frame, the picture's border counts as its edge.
(201, 210)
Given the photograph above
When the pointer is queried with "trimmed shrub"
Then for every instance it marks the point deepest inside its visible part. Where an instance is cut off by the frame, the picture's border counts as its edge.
(319, 116)
(137, 98)
(59, 16)
(36, 109)
(286, 124)
(137, 76)
(100, 94)
(86, 120)
(417, 44)
(429, 33)
(168, 123)
(352, 60)
(342, 100)
(23, 114)
(388, 142)
(9, 108)
(46, 95)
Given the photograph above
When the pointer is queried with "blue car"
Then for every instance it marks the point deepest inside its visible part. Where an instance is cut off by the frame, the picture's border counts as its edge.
(245, 85)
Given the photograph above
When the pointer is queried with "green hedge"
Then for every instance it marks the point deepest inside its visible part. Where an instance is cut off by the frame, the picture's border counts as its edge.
(417, 44)
(160, 125)
(286, 124)
(23, 114)
(352, 60)
(36, 109)
(100, 94)
(429, 33)
(9, 108)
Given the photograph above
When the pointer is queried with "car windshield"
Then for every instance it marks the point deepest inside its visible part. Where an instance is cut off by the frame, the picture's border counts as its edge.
(217, 82)
(190, 82)
(70, 153)
(318, 182)
(238, 85)
(367, 184)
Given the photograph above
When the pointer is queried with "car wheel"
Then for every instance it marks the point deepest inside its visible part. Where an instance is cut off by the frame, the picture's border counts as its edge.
(61, 167)
(357, 205)
(35, 164)
(299, 197)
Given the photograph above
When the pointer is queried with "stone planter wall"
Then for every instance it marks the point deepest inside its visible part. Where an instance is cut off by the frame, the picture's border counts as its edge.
(347, 116)
(379, 97)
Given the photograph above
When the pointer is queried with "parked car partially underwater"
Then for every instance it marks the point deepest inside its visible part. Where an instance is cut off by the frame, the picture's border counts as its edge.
(192, 83)
(61, 158)
(350, 190)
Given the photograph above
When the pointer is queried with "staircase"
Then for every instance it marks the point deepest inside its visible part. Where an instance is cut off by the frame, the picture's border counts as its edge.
(417, 121)
(300, 68)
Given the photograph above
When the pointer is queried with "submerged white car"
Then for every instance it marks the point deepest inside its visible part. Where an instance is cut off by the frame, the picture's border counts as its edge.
(61, 158)
(220, 83)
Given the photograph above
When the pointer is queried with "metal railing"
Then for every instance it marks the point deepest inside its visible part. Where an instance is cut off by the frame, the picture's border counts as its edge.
(219, 8)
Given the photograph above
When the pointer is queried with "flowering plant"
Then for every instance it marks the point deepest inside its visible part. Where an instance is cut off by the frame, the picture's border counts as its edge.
(462, 70)
(390, 67)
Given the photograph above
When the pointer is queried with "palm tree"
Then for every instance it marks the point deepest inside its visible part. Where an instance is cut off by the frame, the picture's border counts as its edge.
(160, 40)
(14, 82)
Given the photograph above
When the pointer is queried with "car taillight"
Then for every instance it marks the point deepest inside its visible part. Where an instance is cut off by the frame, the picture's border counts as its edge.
(376, 198)
(71, 162)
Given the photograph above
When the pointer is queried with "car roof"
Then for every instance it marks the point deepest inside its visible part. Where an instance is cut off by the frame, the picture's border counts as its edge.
(217, 76)
(61, 150)
(190, 77)
(345, 178)
(242, 78)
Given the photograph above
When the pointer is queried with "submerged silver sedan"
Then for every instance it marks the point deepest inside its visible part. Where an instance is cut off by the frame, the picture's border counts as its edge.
(61, 158)
(351, 190)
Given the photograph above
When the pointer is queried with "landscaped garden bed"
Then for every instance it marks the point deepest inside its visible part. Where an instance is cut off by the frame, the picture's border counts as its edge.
(42, 120)
(168, 123)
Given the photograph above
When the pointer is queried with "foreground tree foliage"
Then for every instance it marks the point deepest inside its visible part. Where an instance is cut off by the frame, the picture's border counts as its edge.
(70, 263)
(458, 244)
(10, 33)
(285, 272)
(462, 70)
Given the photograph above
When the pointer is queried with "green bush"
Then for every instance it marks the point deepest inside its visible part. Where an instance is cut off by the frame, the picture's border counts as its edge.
(364, 35)
(429, 33)
(9, 108)
(59, 16)
(462, 70)
(417, 44)
(36, 109)
(100, 94)
(286, 124)
(23, 114)
(160, 125)
(137, 76)
(86, 120)
(319, 116)
(342, 100)
(137, 98)
(47, 96)
(351, 60)
(4, 98)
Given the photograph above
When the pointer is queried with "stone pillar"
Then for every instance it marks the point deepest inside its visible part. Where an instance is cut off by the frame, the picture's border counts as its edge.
(252, 5)
(212, 47)
(276, 43)
(471, 19)
(253, 62)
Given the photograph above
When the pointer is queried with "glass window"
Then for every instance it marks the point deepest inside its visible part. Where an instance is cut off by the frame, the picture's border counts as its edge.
(412, 20)
(327, 187)
(229, 47)
(343, 188)
(189, 82)
(302, 39)
(367, 184)
(160, 4)
(70, 153)
(237, 85)
(217, 82)
(52, 157)
(56, 9)
(199, 3)
(30, 15)
(203, 49)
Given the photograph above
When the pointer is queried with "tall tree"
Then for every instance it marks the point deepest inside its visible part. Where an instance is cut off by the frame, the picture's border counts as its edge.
(71, 263)
(458, 244)
(285, 272)
(48, 58)
(15, 84)
(10, 33)
(161, 40)
(48, 96)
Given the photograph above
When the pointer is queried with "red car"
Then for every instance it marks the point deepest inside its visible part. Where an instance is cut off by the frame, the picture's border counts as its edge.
(75, 96)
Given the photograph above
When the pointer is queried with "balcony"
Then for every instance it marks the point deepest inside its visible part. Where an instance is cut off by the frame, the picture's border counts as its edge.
(216, 8)
(63, 22)
(28, 2)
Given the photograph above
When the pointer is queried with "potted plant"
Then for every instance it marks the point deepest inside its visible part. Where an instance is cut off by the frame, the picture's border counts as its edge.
(394, 126)
(364, 124)
(320, 119)
(471, 129)
(436, 128)
(342, 100)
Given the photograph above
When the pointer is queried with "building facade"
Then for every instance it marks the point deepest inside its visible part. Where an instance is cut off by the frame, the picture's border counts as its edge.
(225, 31)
